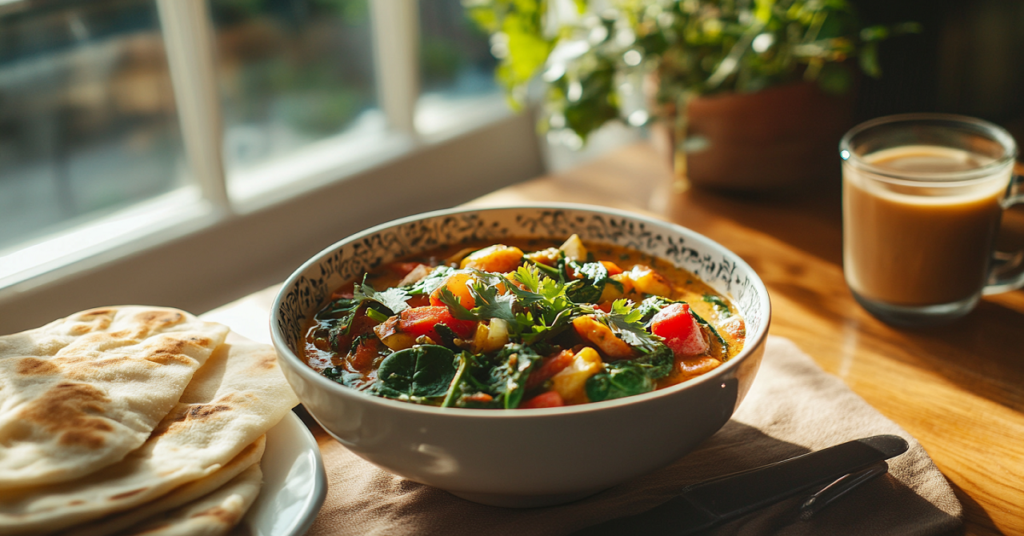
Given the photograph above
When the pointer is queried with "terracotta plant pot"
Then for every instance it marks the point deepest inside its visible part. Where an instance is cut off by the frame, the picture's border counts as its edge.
(774, 139)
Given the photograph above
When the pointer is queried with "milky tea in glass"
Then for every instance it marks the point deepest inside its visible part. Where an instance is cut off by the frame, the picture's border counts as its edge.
(923, 196)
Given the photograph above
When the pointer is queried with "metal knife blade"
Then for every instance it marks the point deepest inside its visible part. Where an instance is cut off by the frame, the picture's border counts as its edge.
(716, 501)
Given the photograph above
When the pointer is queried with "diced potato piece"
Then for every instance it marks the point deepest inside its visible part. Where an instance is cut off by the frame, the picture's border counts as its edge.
(496, 258)
(547, 257)
(647, 281)
(612, 292)
(571, 381)
(489, 338)
(601, 336)
(574, 249)
(415, 275)
(389, 334)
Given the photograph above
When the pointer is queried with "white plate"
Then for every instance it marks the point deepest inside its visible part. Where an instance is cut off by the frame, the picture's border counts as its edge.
(294, 482)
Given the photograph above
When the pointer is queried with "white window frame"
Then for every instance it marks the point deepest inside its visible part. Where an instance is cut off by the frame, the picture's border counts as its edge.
(219, 239)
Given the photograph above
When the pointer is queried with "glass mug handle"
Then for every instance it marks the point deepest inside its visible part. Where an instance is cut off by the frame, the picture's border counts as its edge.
(1002, 277)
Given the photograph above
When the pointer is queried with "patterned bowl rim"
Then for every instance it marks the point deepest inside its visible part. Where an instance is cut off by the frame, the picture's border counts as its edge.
(751, 343)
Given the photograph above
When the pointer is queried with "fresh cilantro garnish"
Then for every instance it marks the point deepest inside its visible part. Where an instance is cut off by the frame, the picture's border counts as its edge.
(392, 298)
(489, 304)
(430, 282)
(626, 322)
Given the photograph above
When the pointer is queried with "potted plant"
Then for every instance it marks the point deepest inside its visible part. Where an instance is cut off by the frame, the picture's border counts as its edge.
(749, 95)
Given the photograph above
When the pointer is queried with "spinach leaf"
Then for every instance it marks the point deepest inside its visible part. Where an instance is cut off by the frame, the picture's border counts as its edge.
(719, 304)
(595, 278)
(508, 377)
(335, 320)
(473, 378)
(416, 373)
(619, 379)
(655, 364)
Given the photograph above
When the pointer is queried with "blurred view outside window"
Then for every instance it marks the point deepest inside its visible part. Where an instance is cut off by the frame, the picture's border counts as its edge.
(292, 72)
(87, 114)
(456, 66)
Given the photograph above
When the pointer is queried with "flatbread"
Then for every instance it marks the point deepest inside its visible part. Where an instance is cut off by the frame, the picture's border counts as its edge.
(78, 394)
(213, 515)
(234, 399)
(187, 493)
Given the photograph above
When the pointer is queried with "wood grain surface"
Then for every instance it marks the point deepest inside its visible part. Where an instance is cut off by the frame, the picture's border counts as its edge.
(958, 389)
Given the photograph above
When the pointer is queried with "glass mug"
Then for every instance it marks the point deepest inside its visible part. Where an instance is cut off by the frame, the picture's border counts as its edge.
(923, 196)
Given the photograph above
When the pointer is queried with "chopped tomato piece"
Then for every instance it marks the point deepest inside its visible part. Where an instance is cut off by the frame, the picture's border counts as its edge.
(421, 321)
(361, 324)
(549, 366)
(680, 330)
(550, 399)
(363, 355)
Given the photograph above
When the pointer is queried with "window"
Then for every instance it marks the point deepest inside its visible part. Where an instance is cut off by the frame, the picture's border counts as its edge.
(88, 121)
(169, 151)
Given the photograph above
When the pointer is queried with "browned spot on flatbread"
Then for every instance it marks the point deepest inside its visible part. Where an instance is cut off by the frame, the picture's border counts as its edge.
(66, 409)
(76, 503)
(30, 366)
(203, 411)
(94, 320)
(160, 319)
(167, 351)
(127, 494)
(268, 362)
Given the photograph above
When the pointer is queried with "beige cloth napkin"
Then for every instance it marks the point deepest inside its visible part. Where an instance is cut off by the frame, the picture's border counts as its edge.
(793, 407)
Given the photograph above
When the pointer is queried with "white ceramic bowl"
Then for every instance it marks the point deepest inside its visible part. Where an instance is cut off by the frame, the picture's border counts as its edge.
(522, 458)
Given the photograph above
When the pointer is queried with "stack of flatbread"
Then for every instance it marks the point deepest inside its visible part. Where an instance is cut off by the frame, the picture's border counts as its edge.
(133, 420)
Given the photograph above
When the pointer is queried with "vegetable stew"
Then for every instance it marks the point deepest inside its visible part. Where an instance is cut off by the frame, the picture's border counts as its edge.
(524, 324)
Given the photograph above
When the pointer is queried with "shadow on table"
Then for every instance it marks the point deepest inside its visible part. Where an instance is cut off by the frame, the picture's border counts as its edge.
(881, 506)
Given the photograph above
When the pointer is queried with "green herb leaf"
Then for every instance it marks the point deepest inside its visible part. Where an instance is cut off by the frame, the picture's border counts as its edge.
(618, 382)
(489, 304)
(508, 376)
(430, 283)
(626, 322)
(393, 298)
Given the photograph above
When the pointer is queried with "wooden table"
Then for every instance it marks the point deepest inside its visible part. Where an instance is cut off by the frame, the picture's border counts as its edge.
(958, 389)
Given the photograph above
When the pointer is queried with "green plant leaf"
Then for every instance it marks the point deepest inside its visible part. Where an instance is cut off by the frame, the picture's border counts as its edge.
(618, 382)
(393, 298)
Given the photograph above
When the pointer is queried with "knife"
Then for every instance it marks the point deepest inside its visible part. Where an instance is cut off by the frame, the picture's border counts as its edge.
(713, 502)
